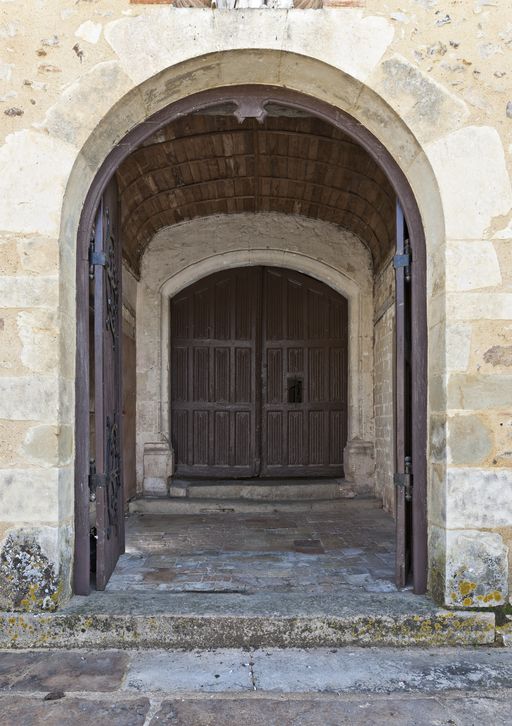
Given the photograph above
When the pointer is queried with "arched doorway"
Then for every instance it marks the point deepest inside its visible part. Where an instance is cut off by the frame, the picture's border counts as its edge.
(411, 402)
(258, 376)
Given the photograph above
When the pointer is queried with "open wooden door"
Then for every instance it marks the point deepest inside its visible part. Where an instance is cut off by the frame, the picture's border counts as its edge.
(403, 444)
(106, 470)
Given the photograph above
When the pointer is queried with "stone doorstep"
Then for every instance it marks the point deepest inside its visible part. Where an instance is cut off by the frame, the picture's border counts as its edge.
(189, 631)
(186, 505)
(264, 490)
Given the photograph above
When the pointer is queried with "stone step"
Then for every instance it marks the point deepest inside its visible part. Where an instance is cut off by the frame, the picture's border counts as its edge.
(170, 505)
(264, 490)
(195, 620)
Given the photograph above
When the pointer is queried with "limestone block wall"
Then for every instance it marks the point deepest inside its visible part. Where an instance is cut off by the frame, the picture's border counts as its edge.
(179, 255)
(431, 83)
(384, 345)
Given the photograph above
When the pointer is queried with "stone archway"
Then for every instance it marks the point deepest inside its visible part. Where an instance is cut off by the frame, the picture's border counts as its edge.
(252, 102)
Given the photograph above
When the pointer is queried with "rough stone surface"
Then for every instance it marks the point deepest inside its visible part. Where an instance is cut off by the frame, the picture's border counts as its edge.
(477, 569)
(27, 578)
(479, 498)
(476, 153)
(294, 687)
(72, 711)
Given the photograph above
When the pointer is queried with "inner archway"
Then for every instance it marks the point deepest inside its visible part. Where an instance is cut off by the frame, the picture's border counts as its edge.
(259, 376)
(371, 216)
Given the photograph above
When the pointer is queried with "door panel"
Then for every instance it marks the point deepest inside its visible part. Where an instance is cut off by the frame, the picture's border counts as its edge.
(106, 263)
(304, 411)
(259, 363)
(403, 411)
(214, 408)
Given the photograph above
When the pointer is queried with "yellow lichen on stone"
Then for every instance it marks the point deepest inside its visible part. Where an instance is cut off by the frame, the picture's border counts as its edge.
(466, 587)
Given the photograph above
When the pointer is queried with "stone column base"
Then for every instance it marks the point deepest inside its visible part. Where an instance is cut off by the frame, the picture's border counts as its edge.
(359, 465)
(158, 467)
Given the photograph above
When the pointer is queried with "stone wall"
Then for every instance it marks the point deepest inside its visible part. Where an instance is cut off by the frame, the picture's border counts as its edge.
(384, 346)
(430, 81)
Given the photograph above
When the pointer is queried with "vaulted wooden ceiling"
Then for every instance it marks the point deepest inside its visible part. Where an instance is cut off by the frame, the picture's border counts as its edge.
(211, 164)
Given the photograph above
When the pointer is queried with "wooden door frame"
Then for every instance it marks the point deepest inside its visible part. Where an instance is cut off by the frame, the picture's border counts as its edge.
(250, 101)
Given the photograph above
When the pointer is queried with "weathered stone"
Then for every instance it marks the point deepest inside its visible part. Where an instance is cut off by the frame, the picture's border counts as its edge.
(458, 346)
(27, 578)
(29, 398)
(479, 306)
(471, 153)
(140, 42)
(70, 119)
(29, 292)
(72, 671)
(471, 265)
(48, 445)
(474, 392)
(216, 671)
(469, 440)
(476, 569)
(425, 104)
(479, 498)
(71, 711)
(29, 495)
(38, 332)
(41, 166)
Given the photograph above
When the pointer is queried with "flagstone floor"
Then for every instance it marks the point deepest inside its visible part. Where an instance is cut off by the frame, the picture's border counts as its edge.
(350, 547)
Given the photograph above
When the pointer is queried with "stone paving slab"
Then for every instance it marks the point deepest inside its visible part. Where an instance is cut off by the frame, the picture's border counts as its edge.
(286, 710)
(72, 711)
(381, 670)
(311, 712)
(320, 670)
(322, 687)
(63, 671)
(204, 671)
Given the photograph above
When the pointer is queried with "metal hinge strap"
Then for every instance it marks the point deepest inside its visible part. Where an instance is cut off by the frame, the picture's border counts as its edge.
(96, 481)
(97, 259)
(401, 261)
(404, 480)
(404, 260)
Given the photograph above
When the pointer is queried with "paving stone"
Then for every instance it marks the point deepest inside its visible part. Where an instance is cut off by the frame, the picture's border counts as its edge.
(64, 671)
(25, 711)
(248, 553)
(310, 712)
(381, 670)
(206, 671)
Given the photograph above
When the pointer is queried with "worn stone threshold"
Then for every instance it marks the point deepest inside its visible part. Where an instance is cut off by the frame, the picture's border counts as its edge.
(269, 490)
(192, 505)
(213, 620)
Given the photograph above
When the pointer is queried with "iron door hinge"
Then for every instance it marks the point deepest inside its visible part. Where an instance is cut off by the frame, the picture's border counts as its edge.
(404, 480)
(96, 259)
(404, 261)
(95, 480)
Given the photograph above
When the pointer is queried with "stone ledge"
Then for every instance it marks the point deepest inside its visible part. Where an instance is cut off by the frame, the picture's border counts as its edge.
(163, 630)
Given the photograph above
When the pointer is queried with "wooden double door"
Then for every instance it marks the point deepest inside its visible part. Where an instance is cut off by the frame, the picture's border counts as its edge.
(259, 376)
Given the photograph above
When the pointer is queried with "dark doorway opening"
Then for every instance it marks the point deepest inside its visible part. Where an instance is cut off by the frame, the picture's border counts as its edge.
(259, 376)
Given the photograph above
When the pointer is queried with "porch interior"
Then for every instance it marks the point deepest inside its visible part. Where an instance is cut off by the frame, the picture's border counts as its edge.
(326, 549)
(258, 547)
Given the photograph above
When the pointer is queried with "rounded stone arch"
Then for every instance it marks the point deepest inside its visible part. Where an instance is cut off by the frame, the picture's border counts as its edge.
(196, 83)
(353, 281)
(303, 83)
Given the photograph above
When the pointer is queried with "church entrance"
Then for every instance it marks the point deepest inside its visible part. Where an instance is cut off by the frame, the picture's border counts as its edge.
(259, 376)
